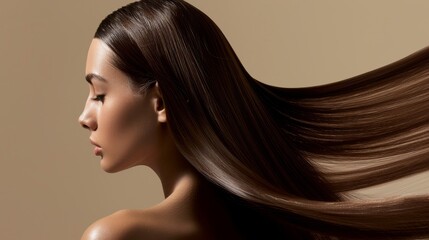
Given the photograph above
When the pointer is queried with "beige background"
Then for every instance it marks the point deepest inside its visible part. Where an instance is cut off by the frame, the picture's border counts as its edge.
(51, 186)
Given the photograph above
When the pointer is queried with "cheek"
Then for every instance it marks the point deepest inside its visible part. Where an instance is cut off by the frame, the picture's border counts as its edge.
(130, 130)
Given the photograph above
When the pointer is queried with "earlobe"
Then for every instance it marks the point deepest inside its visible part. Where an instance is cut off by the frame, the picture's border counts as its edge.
(159, 105)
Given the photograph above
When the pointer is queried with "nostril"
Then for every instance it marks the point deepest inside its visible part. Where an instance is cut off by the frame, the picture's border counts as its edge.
(83, 123)
(90, 125)
(87, 122)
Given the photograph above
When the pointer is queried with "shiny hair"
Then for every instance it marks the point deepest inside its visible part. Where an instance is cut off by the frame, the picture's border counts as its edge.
(284, 158)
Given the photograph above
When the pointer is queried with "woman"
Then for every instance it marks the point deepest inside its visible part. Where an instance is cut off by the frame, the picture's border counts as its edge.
(239, 159)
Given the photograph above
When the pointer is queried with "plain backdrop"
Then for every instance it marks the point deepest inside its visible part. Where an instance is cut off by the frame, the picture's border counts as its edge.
(51, 186)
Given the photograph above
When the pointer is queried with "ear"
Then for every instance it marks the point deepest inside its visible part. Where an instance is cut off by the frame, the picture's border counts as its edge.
(159, 104)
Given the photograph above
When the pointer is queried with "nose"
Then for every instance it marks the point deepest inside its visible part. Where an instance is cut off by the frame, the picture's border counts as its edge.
(87, 121)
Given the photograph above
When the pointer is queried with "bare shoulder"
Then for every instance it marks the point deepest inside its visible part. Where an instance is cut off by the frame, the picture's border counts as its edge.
(137, 224)
(120, 225)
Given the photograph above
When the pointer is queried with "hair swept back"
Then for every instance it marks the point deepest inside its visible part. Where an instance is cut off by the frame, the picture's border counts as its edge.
(274, 149)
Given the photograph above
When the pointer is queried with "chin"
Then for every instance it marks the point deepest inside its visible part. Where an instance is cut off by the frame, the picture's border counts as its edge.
(110, 167)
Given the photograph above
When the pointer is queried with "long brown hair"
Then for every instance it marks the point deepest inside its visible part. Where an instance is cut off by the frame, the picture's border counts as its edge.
(277, 150)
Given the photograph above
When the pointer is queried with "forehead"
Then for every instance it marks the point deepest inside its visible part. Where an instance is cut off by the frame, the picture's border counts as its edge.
(99, 63)
(98, 58)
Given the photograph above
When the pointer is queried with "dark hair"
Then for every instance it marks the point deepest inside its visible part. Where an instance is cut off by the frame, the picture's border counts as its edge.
(274, 149)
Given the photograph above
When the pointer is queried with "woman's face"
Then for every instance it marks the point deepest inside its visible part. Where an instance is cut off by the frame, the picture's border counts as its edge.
(124, 124)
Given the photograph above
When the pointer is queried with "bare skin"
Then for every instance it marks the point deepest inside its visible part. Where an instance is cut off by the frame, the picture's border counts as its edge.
(129, 129)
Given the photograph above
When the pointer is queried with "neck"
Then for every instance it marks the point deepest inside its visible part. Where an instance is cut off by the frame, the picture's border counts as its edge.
(177, 177)
(173, 169)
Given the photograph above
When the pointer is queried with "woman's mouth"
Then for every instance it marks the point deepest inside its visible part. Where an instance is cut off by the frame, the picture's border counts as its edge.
(98, 151)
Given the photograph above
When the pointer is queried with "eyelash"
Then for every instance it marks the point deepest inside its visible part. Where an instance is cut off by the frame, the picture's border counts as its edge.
(99, 98)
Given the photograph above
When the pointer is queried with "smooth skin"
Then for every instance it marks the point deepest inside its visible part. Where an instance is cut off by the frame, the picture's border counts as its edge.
(129, 128)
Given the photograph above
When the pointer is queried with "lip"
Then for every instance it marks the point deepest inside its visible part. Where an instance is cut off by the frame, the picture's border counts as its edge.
(98, 151)
(94, 143)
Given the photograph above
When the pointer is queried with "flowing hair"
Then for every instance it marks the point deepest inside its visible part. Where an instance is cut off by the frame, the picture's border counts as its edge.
(284, 158)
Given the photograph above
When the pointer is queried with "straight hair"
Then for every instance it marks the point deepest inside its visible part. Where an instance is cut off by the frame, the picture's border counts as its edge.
(283, 158)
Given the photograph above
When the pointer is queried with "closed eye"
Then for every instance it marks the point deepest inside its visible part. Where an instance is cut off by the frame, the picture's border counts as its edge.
(99, 98)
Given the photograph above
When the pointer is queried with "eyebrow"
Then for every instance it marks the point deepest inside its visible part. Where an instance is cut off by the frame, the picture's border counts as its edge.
(90, 76)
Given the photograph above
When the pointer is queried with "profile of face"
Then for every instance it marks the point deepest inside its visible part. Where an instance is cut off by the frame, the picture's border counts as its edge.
(125, 125)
